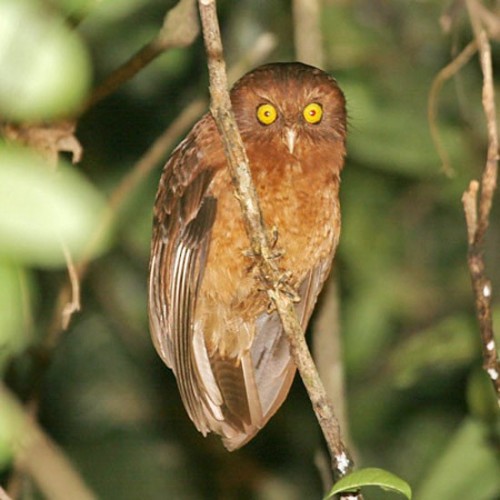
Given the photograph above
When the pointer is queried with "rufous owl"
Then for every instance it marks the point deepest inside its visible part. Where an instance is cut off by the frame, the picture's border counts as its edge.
(209, 316)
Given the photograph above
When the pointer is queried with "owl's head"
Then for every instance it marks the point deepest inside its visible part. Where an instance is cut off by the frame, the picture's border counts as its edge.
(291, 105)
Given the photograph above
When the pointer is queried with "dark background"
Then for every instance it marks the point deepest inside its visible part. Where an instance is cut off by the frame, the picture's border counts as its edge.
(416, 397)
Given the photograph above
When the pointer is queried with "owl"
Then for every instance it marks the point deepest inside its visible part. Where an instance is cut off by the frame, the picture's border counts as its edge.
(209, 315)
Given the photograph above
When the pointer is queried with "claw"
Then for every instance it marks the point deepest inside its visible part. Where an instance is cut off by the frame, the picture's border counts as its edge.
(287, 288)
(249, 253)
(271, 307)
(274, 236)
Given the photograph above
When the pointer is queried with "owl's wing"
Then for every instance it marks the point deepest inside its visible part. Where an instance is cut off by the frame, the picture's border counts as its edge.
(184, 215)
(273, 366)
(211, 388)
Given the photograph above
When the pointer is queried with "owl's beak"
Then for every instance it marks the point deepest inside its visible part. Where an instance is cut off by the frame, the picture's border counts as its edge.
(289, 138)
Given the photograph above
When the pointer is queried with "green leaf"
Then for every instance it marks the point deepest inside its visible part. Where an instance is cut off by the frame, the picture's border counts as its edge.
(43, 210)
(371, 477)
(75, 6)
(15, 321)
(45, 67)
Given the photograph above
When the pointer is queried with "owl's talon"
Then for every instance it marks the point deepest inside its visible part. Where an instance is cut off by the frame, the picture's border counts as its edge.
(271, 307)
(274, 236)
(277, 254)
(293, 295)
(284, 277)
(284, 286)
(249, 253)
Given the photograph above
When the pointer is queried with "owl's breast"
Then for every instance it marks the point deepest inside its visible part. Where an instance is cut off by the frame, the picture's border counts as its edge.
(302, 204)
(300, 199)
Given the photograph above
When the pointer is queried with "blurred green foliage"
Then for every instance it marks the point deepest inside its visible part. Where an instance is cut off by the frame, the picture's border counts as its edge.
(43, 212)
(15, 324)
(49, 84)
(416, 403)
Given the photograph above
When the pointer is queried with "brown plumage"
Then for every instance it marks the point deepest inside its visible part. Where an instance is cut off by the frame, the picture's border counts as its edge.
(208, 315)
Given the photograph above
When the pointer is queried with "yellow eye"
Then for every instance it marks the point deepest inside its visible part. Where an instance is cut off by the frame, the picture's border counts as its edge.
(313, 113)
(266, 114)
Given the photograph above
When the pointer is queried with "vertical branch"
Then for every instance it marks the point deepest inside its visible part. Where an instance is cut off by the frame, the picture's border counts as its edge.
(477, 212)
(254, 225)
(307, 32)
(326, 341)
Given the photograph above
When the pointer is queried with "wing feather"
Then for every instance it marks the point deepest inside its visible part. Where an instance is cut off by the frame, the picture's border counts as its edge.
(184, 215)
(219, 394)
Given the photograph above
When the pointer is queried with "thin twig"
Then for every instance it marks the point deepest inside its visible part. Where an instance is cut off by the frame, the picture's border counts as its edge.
(180, 28)
(477, 212)
(445, 74)
(490, 21)
(469, 201)
(40, 457)
(74, 304)
(245, 192)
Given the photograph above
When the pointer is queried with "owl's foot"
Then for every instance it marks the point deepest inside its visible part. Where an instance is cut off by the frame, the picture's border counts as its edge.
(284, 286)
(250, 254)
(273, 240)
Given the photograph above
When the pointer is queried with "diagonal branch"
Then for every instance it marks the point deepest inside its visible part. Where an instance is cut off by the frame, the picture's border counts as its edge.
(259, 241)
(3, 494)
(180, 28)
(39, 456)
(307, 32)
